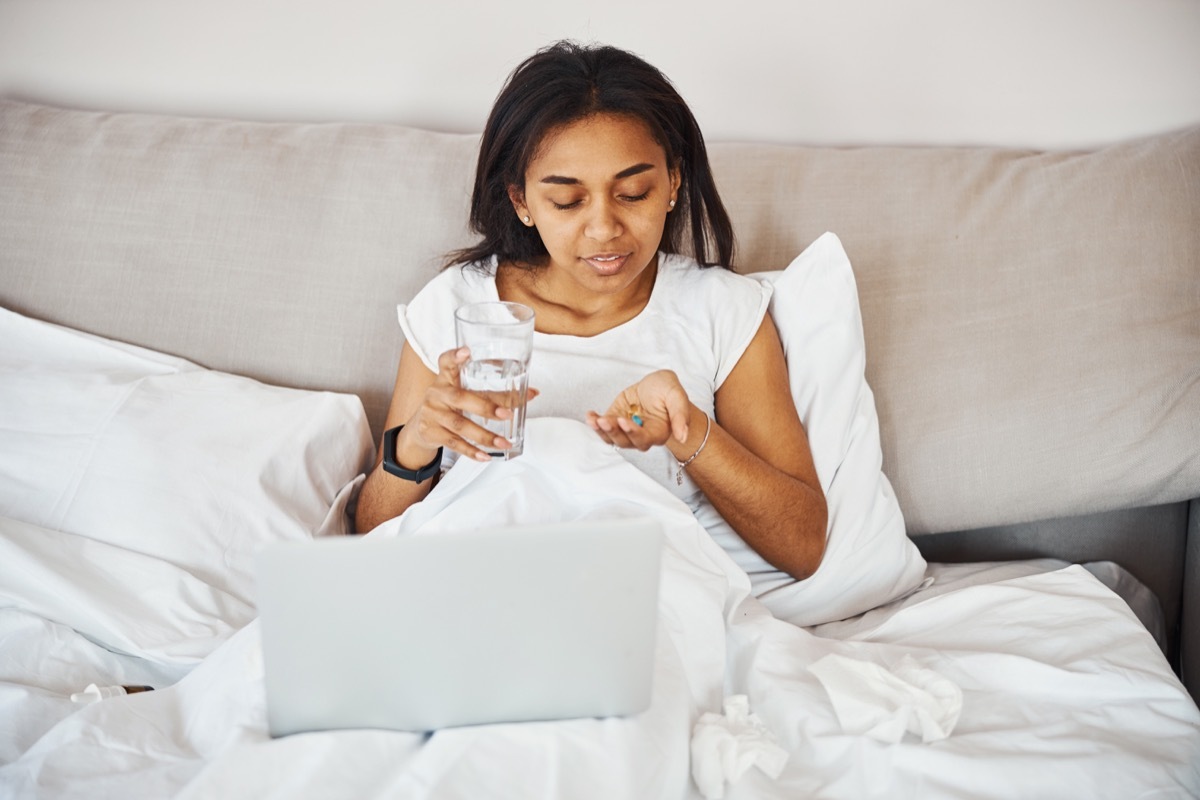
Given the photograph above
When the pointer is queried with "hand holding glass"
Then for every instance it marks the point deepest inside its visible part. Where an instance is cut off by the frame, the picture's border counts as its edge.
(500, 338)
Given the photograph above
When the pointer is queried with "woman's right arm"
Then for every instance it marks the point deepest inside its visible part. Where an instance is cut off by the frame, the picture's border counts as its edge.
(430, 406)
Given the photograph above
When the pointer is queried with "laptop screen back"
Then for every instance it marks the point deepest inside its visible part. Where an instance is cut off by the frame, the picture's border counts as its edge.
(430, 631)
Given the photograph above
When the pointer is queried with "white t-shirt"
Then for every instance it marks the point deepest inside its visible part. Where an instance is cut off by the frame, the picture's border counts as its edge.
(698, 322)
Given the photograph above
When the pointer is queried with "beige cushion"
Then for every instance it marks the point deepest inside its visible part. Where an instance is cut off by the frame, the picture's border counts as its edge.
(1032, 319)
(277, 251)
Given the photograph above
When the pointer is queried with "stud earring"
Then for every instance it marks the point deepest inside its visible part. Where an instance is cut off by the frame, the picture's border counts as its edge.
(525, 219)
(672, 204)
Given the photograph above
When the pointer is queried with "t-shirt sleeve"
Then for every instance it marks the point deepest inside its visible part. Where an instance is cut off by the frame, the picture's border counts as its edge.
(740, 306)
(428, 320)
(405, 314)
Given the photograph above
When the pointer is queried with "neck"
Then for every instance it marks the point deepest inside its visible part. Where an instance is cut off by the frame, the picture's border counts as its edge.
(563, 307)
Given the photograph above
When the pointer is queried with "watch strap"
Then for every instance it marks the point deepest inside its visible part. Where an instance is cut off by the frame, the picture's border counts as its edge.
(392, 467)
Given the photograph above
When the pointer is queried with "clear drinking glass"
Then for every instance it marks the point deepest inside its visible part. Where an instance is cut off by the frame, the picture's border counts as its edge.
(500, 336)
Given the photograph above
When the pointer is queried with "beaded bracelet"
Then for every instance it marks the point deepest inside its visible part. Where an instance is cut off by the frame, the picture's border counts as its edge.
(682, 464)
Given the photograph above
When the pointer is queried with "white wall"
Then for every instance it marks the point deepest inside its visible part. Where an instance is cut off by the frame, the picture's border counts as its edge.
(1052, 73)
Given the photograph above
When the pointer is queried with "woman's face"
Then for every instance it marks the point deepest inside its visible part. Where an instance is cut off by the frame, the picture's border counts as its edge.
(599, 191)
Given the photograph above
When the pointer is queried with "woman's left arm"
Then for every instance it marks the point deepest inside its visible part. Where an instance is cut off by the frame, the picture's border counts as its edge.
(756, 466)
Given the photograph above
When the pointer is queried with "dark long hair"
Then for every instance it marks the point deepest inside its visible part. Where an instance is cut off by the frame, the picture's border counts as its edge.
(566, 82)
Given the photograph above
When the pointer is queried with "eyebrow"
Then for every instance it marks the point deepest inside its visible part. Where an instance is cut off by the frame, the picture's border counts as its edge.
(628, 172)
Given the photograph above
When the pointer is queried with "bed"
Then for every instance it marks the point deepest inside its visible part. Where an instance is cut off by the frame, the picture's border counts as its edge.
(197, 342)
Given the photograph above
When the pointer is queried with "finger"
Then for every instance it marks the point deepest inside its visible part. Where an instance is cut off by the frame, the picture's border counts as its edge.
(678, 413)
(450, 364)
(593, 421)
(626, 403)
(449, 428)
(451, 396)
(653, 432)
(603, 425)
(638, 437)
(606, 427)
(618, 439)
(469, 449)
(497, 405)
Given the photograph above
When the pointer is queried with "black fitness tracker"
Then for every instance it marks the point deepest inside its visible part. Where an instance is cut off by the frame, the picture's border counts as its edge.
(391, 467)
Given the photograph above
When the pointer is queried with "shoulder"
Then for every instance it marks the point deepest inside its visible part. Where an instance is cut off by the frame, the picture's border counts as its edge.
(714, 289)
(716, 306)
(457, 284)
(427, 320)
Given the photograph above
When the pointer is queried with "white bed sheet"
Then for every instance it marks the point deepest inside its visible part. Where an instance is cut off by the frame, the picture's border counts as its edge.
(1064, 693)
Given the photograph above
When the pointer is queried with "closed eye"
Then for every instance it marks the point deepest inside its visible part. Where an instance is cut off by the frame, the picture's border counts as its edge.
(627, 198)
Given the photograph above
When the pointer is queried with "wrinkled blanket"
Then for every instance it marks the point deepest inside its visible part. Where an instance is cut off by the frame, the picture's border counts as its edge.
(1062, 693)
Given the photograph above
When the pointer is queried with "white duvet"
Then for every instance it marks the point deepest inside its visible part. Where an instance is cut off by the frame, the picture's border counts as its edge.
(1063, 693)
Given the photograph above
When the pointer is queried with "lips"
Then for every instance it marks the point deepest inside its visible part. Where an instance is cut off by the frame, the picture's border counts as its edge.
(607, 263)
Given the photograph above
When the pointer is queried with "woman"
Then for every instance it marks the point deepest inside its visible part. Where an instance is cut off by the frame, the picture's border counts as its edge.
(591, 168)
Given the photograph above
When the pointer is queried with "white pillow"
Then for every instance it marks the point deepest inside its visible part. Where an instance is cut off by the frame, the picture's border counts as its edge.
(158, 456)
(869, 559)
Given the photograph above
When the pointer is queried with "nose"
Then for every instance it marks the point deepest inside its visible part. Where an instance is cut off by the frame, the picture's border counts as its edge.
(603, 222)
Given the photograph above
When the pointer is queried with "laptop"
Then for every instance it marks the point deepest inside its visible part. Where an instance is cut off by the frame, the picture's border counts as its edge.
(460, 628)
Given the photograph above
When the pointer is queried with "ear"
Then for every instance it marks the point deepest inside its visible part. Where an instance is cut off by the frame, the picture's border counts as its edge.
(516, 196)
(676, 176)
